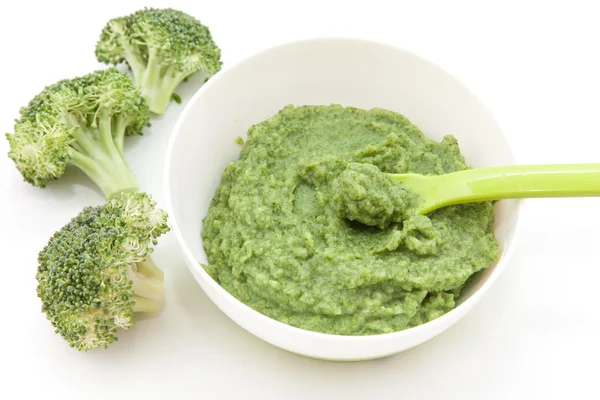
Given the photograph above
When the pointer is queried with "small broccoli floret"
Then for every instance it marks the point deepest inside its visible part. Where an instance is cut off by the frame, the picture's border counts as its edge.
(82, 122)
(162, 47)
(95, 272)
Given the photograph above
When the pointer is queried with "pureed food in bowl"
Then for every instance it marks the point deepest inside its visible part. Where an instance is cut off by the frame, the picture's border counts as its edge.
(276, 239)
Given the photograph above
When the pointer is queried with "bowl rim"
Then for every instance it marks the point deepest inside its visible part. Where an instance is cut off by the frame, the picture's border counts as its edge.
(448, 318)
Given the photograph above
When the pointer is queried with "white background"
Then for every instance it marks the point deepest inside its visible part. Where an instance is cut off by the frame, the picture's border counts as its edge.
(536, 333)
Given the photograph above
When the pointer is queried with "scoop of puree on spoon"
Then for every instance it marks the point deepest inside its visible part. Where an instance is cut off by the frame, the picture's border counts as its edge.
(363, 193)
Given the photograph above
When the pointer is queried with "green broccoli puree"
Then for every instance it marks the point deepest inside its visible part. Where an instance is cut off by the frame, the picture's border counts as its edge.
(279, 236)
(363, 193)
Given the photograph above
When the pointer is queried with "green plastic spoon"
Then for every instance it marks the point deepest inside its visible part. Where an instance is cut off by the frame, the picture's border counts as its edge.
(498, 183)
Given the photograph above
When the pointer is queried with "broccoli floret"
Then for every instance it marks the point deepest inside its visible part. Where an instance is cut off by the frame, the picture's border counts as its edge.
(95, 272)
(162, 47)
(82, 122)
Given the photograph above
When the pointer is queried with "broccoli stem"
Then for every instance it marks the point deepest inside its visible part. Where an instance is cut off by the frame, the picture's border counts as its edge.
(147, 281)
(131, 53)
(106, 137)
(143, 304)
(149, 268)
(99, 158)
(135, 63)
(119, 134)
(158, 86)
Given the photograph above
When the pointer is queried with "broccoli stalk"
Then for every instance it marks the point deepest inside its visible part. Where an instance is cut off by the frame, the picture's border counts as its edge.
(162, 47)
(102, 159)
(96, 271)
(159, 84)
(80, 122)
(156, 83)
(148, 285)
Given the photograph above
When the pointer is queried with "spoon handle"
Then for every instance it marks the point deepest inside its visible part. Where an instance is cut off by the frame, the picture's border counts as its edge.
(508, 182)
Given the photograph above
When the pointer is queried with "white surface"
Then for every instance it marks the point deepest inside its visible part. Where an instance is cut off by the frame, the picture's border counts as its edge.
(536, 65)
(349, 72)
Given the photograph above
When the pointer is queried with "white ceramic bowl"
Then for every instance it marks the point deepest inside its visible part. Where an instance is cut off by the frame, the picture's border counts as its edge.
(324, 71)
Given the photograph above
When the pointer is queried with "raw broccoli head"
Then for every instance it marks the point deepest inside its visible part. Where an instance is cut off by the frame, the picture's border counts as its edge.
(162, 47)
(95, 272)
(80, 121)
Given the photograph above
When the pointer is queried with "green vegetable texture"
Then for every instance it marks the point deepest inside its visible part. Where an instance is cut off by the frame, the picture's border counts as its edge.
(95, 272)
(80, 122)
(162, 47)
(305, 227)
